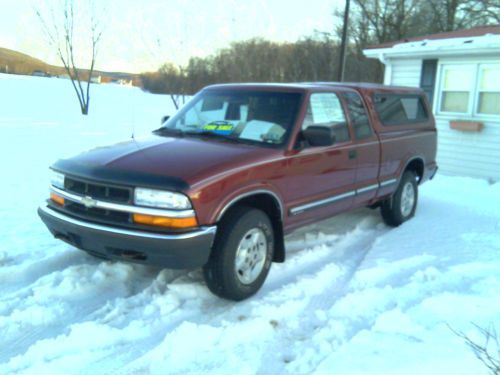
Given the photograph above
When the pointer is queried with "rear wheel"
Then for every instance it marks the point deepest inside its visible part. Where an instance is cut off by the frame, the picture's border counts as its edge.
(402, 205)
(242, 254)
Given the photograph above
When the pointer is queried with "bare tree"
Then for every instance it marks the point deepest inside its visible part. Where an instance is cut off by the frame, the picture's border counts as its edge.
(449, 15)
(487, 351)
(62, 38)
(175, 83)
(483, 12)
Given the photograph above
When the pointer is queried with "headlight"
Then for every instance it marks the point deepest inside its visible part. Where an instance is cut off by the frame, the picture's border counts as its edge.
(161, 199)
(56, 179)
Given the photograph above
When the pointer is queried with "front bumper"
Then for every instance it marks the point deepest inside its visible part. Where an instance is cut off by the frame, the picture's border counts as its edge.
(186, 250)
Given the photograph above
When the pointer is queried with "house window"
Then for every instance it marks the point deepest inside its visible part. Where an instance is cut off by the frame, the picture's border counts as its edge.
(470, 89)
(489, 90)
(457, 85)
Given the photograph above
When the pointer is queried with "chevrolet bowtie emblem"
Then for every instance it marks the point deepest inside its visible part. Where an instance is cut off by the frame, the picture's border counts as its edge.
(89, 202)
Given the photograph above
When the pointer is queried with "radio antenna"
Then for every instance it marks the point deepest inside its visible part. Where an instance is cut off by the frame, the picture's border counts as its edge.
(133, 122)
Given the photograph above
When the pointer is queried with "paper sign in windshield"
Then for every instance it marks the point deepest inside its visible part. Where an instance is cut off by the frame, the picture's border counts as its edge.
(255, 129)
(219, 127)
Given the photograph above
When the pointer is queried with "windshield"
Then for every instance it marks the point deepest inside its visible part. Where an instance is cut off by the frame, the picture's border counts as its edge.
(240, 116)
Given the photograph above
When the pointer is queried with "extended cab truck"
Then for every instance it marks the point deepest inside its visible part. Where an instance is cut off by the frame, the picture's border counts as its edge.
(241, 165)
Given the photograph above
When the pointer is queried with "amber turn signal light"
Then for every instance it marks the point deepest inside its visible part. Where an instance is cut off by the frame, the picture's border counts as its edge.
(168, 222)
(57, 199)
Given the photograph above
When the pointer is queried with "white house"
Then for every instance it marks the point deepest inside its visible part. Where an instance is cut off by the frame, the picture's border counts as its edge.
(460, 72)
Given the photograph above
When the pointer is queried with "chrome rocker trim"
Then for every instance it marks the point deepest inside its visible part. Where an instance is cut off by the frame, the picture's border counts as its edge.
(305, 207)
(388, 182)
(299, 209)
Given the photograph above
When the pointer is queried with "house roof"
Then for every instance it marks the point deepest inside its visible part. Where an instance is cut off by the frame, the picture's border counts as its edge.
(477, 41)
(474, 32)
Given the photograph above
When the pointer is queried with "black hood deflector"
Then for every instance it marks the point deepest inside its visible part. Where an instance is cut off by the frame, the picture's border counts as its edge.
(115, 176)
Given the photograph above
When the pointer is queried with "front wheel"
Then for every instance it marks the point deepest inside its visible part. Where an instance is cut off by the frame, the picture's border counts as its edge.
(242, 254)
(402, 205)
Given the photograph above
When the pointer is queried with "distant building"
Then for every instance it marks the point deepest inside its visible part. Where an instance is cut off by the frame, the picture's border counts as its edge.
(460, 73)
(125, 82)
(40, 73)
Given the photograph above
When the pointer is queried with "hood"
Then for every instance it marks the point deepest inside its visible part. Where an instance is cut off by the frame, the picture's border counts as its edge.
(172, 163)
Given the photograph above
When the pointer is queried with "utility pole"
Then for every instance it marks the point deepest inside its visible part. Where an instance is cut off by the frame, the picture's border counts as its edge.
(343, 43)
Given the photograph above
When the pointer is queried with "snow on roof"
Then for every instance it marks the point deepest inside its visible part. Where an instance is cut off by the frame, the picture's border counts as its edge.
(454, 43)
(464, 33)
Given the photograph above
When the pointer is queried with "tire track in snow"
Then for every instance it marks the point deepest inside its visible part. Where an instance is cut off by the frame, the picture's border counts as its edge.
(282, 279)
(49, 306)
(385, 292)
(16, 277)
(201, 307)
(354, 255)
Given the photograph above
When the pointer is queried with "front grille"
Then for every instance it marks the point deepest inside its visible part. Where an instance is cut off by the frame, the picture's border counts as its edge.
(98, 191)
(97, 213)
(103, 192)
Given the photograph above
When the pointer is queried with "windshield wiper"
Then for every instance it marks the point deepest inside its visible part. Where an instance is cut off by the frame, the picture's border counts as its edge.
(206, 133)
(169, 131)
(203, 133)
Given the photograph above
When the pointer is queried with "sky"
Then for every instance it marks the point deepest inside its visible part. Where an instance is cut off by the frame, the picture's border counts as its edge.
(140, 35)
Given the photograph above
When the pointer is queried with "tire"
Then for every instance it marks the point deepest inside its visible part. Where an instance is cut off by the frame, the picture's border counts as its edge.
(242, 254)
(402, 205)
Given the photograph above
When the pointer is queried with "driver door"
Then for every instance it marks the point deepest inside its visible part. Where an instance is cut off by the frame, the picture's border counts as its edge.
(320, 179)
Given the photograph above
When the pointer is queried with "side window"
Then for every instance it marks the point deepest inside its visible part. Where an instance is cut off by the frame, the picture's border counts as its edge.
(400, 109)
(358, 115)
(489, 90)
(325, 109)
(457, 82)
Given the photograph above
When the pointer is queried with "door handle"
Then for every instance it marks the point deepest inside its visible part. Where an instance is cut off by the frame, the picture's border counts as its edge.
(353, 154)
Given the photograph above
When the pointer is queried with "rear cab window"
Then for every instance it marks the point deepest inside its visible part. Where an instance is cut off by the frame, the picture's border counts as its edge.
(400, 109)
(358, 115)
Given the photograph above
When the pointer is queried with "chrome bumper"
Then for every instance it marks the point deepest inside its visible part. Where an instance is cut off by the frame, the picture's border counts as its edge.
(183, 250)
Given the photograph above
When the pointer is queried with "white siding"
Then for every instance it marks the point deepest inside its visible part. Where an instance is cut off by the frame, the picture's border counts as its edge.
(405, 72)
(465, 153)
(469, 154)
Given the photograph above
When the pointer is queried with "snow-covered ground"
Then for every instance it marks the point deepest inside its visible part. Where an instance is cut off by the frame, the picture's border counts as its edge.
(354, 297)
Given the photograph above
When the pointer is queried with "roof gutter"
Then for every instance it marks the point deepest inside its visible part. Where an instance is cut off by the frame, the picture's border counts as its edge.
(384, 53)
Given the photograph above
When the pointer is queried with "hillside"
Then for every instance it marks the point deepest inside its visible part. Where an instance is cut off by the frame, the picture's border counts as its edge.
(14, 62)
(20, 63)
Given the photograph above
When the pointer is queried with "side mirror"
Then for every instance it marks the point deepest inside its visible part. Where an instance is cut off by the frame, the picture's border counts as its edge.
(164, 119)
(319, 135)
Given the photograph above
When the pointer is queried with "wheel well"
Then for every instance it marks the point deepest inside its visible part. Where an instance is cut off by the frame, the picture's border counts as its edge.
(417, 166)
(268, 204)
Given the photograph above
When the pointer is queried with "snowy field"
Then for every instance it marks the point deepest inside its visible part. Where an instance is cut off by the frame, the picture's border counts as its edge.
(354, 297)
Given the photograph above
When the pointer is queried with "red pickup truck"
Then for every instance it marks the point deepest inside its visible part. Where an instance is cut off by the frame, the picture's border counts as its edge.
(241, 165)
